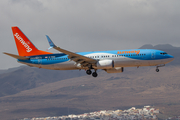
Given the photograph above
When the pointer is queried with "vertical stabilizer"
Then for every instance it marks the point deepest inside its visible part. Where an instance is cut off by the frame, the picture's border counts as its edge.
(24, 46)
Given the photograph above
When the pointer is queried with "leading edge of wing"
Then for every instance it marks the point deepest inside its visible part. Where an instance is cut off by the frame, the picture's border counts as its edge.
(73, 56)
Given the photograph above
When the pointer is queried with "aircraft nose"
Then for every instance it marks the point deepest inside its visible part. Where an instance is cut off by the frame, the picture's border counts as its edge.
(171, 57)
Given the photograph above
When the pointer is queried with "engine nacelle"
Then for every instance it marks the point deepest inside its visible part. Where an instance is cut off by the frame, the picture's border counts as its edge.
(115, 70)
(105, 64)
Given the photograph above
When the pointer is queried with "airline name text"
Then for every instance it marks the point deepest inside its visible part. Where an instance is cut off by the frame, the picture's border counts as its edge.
(28, 49)
(128, 52)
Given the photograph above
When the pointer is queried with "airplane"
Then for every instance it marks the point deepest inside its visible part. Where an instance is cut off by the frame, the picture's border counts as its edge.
(110, 61)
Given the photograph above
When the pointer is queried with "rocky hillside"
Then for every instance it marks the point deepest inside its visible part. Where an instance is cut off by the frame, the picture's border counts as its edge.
(25, 78)
(33, 92)
(134, 87)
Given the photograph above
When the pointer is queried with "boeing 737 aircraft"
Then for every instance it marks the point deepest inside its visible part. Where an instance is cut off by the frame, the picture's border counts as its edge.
(110, 61)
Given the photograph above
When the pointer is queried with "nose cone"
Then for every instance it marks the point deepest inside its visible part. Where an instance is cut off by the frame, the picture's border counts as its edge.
(171, 58)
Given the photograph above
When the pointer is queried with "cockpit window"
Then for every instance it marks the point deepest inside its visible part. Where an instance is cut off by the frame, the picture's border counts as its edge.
(164, 53)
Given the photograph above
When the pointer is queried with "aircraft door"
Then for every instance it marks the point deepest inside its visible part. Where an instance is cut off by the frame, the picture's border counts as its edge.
(39, 61)
(153, 54)
(98, 57)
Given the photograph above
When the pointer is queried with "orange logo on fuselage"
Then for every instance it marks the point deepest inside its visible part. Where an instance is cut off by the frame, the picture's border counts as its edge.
(128, 52)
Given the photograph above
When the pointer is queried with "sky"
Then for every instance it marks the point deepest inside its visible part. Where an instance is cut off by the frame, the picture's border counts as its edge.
(88, 25)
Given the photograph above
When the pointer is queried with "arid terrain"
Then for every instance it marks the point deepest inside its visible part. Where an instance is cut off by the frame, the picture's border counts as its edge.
(32, 92)
(134, 87)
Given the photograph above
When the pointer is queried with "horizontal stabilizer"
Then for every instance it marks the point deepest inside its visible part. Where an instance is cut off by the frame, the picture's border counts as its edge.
(17, 56)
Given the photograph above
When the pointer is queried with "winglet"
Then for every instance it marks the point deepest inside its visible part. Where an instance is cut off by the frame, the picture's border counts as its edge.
(52, 45)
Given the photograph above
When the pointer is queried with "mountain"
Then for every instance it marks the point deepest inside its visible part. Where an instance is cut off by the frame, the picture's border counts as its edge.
(10, 69)
(159, 47)
(26, 78)
(34, 92)
(2, 71)
(135, 87)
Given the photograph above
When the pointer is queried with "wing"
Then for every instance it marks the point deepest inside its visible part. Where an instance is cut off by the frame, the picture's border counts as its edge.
(83, 60)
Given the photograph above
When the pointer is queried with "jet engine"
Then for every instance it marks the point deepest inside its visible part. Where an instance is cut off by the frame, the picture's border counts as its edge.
(115, 70)
(105, 64)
